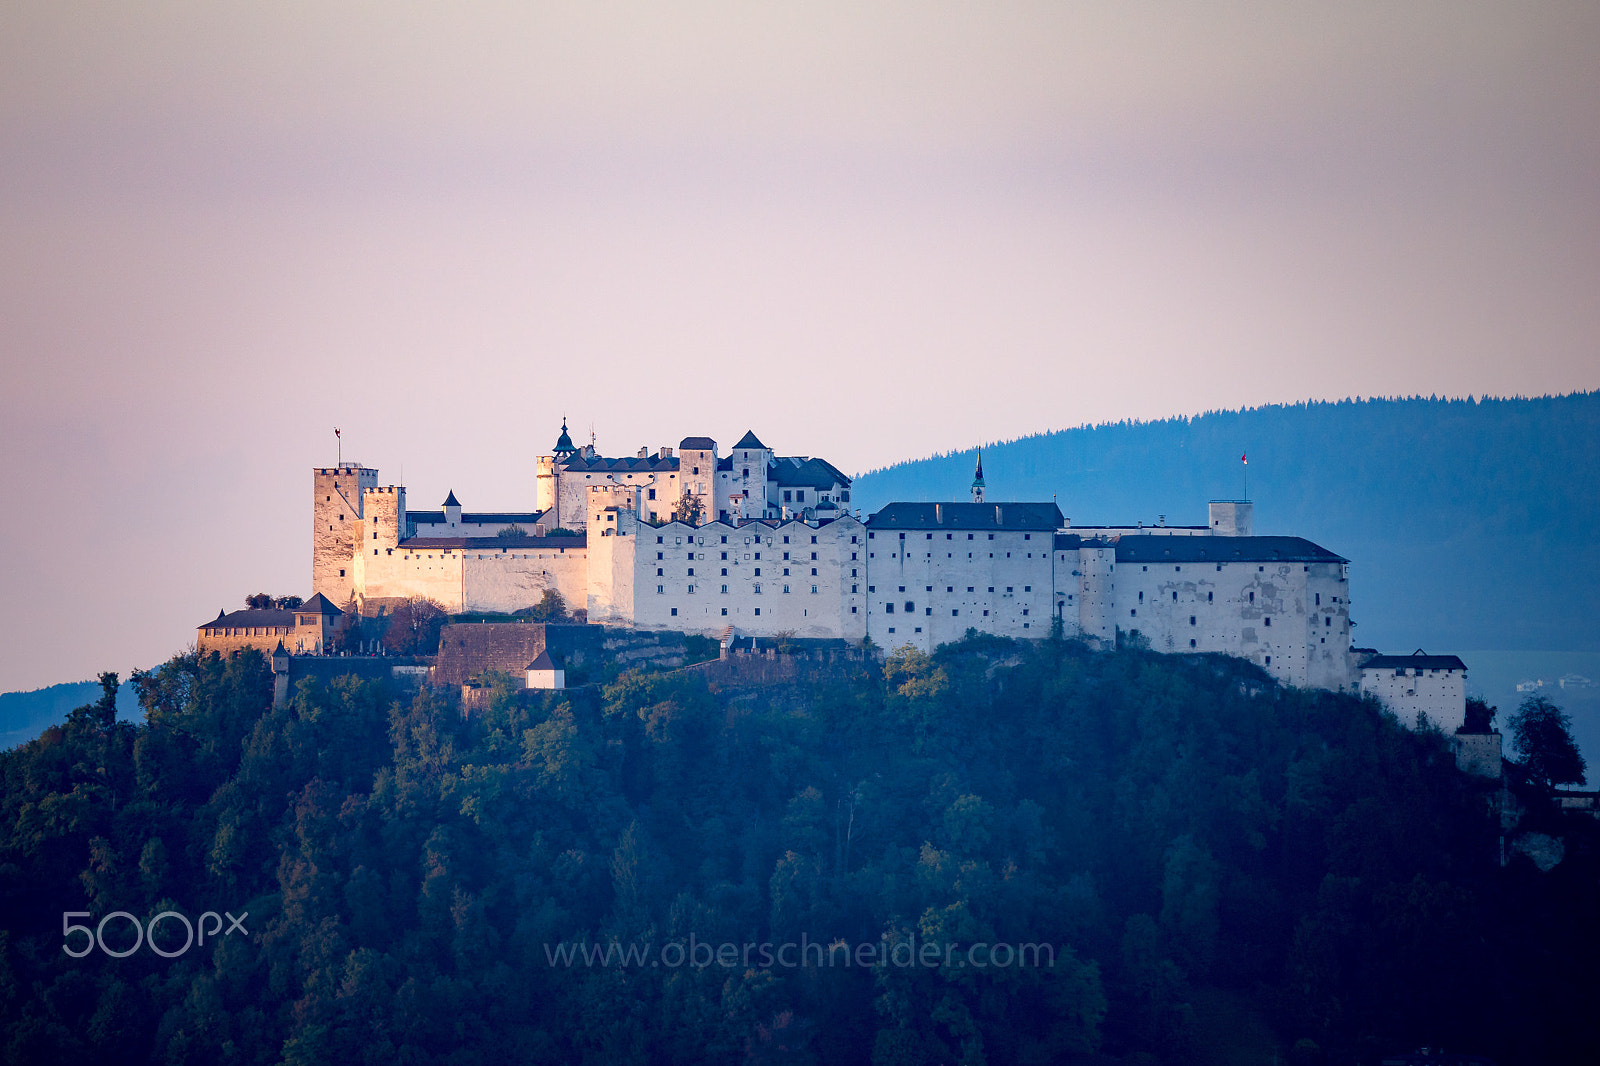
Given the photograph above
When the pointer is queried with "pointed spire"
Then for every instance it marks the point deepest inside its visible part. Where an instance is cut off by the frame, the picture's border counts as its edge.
(977, 480)
(451, 501)
(564, 442)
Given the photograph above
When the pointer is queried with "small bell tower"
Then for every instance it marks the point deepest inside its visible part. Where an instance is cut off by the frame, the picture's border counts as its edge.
(977, 480)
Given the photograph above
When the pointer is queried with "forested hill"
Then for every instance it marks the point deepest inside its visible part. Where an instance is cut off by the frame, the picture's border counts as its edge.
(1016, 852)
(1468, 523)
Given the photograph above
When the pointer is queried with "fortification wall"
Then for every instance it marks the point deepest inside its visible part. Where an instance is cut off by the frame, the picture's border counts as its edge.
(1280, 615)
(757, 578)
(929, 588)
(509, 579)
(466, 651)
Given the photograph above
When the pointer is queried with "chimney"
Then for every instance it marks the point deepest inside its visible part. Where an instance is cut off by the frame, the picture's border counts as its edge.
(666, 453)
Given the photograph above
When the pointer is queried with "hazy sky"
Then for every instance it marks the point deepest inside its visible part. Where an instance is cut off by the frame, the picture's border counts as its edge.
(867, 231)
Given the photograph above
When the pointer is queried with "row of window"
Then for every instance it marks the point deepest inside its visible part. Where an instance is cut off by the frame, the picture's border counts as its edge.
(949, 536)
(661, 590)
(952, 588)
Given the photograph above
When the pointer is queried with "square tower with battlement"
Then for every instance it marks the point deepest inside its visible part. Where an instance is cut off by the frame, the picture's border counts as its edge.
(336, 511)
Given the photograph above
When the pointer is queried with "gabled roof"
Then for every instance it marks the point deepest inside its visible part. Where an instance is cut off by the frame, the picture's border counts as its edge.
(749, 440)
(697, 444)
(269, 616)
(1168, 549)
(582, 464)
(805, 472)
(451, 501)
(975, 516)
(320, 604)
(1417, 660)
(544, 662)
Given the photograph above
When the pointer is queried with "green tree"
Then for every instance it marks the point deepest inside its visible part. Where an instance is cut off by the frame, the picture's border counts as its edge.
(689, 509)
(552, 607)
(1541, 733)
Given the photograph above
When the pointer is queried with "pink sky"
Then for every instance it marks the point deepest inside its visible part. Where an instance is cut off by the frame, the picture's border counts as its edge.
(867, 231)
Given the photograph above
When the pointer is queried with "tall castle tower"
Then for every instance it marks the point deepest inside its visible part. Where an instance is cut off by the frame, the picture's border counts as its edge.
(547, 496)
(336, 511)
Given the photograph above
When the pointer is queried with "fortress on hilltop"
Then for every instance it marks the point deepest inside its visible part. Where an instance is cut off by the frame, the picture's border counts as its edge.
(699, 542)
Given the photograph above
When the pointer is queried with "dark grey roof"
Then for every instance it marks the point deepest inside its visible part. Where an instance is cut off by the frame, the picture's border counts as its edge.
(581, 464)
(426, 518)
(749, 440)
(1133, 548)
(451, 501)
(1019, 516)
(544, 662)
(805, 472)
(417, 544)
(1417, 660)
(1073, 541)
(320, 604)
(697, 444)
(564, 442)
(270, 616)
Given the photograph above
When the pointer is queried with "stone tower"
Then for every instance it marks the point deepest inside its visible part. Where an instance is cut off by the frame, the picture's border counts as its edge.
(547, 497)
(336, 511)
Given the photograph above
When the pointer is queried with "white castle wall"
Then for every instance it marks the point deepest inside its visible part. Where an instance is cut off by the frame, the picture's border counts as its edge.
(1438, 695)
(1096, 583)
(510, 579)
(1292, 618)
(756, 577)
(927, 588)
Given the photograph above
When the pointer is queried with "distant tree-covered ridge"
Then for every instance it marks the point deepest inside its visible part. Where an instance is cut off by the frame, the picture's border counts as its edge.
(1468, 523)
(24, 715)
(1223, 869)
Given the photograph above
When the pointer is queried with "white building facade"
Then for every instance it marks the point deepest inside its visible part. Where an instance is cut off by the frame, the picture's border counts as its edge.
(773, 549)
(1433, 687)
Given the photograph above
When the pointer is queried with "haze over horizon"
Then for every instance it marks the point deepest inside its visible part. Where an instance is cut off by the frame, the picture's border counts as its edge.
(867, 232)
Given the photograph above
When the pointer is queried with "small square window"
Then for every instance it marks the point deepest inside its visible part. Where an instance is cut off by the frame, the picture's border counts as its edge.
(674, 612)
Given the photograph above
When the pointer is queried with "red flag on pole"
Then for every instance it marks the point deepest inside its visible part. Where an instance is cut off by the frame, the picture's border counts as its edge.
(335, 431)
(1243, 458)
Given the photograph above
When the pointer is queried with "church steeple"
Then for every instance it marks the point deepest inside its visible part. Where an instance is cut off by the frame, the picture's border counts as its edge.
(977, 480)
